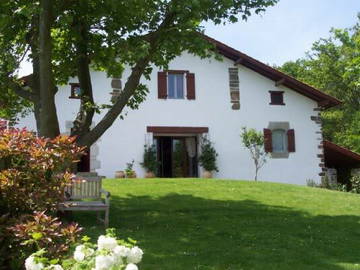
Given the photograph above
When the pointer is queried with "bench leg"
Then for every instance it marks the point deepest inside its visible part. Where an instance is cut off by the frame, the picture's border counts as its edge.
(106, 219)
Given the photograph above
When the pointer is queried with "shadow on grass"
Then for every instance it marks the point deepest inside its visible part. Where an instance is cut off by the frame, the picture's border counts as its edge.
(186, 232)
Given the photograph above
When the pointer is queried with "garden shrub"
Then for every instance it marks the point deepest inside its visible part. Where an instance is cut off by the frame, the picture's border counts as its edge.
(33, 175)
(355, 183)
(150, 162)
(40, 231)
(208, 155)
(36, 171)
(108, 253)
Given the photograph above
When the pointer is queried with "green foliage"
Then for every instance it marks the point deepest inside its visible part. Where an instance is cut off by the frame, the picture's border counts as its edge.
(12, 106)
(112, 35)
(129, 172)
(333, 65)
(208, 155)
(35, 171)
(355, 183)
(150, 162)
(40, 231)
(254, 141)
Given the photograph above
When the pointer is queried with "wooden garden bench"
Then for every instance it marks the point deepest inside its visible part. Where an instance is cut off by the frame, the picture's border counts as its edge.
(85, 194)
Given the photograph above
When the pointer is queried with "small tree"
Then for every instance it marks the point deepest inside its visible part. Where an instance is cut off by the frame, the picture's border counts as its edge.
(150, 163)
(207, 158)
(254, 141)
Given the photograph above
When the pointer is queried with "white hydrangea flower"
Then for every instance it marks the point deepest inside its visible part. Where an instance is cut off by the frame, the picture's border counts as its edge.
(79, 255)
(121, 251)
(131, 266)
(104, 262)
(56, 267)
(30, 264)
(81, 252)
(135, 255)
(106, 242)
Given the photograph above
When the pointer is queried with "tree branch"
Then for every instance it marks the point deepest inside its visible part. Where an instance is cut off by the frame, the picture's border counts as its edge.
(130, 87)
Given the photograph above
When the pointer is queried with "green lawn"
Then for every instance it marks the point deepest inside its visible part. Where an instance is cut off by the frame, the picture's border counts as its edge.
(185, 224)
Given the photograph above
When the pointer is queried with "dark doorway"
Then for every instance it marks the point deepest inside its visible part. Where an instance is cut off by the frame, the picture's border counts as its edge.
(84, 164)
(177, 156)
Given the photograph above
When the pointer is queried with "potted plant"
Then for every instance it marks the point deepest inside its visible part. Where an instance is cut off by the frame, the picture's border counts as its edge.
(129, 172)
(207, 158)
(119, 174)
(150, 163)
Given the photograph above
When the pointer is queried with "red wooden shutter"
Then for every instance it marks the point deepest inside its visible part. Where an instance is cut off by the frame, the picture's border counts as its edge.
(291, 140)
(162, 85)
(267, 140)
(190, 85)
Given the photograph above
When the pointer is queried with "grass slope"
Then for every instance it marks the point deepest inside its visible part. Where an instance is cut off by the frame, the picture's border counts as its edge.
(233, 225)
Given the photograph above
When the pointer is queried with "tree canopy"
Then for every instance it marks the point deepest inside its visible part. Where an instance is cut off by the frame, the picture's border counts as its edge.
(333, 65)
(68, 38)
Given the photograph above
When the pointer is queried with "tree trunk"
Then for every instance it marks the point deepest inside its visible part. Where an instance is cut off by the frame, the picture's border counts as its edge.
(256, 169)
(86, 113)
(48, 117)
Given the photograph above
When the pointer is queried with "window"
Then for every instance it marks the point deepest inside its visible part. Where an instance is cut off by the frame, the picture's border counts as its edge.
(279, 139)
(276, 98)
(175, 86)
(75, 90)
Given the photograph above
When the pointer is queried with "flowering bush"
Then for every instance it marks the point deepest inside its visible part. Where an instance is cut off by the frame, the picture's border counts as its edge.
(40, 231)
(34, 171)
(108, 254)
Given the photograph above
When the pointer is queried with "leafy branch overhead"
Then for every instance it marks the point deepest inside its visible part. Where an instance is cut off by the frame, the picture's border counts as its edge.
(64, 39)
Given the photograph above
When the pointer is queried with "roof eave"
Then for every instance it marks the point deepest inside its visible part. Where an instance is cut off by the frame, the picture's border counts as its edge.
(324, 100)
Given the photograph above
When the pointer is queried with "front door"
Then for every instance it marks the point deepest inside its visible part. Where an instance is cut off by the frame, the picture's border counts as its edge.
(177, 156)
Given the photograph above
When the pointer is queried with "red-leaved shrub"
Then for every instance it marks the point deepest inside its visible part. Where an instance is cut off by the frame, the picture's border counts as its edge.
(34, 170)
(33, 175)
(42, 231)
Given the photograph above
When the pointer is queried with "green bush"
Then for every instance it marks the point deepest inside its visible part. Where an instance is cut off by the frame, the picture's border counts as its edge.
(355, 183)
(150, 163)
(129, 172)
(208, 155)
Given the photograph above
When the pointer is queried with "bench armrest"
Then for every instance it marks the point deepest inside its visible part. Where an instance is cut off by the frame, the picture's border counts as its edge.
(107, 195)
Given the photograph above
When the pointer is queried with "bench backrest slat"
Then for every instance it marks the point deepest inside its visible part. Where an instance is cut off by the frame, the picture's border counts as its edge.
(86, 188)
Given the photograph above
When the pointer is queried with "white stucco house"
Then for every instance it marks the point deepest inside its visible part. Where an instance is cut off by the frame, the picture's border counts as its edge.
(206, 97)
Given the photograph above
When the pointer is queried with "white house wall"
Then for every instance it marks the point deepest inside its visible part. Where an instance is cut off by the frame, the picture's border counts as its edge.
(124, 141)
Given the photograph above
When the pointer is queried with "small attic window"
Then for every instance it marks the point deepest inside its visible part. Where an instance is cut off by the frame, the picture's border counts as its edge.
(276, 98)
(75, 90)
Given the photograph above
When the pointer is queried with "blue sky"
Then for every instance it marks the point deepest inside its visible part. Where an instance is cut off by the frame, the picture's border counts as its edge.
(284, 32)
(288, 29)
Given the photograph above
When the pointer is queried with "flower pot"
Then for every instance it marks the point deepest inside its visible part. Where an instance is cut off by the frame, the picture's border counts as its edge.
(119, 174)
(131, 174)
(207, 174)
(149, 175)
